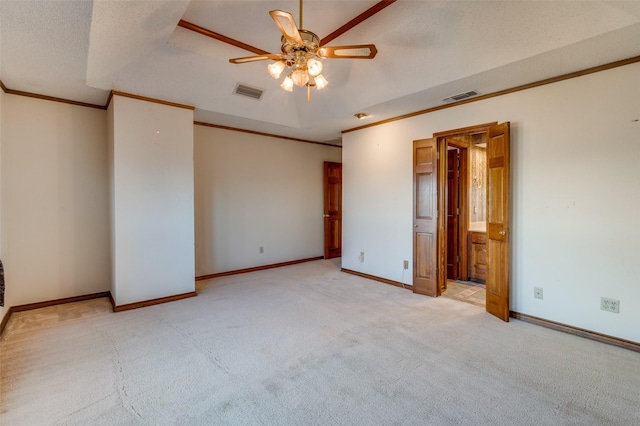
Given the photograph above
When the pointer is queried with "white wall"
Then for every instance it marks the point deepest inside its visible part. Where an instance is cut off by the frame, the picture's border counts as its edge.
(575, 188)
(152, 184)
(55, 226)
(254, 191)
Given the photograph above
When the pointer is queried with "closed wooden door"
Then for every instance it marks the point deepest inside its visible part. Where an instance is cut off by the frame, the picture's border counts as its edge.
(453, 211)
(425, 217)
(498, 224)
(332, 210)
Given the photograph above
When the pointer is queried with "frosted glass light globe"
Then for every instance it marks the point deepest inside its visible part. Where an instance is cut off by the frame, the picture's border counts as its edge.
(287, 84)
(314, 67)
(275, 69)
(300, 77)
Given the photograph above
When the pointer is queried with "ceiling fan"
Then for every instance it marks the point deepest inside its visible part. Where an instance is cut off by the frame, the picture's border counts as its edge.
(301, 52)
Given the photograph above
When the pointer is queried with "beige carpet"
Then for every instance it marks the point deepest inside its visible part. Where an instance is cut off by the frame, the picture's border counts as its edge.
(305, 345)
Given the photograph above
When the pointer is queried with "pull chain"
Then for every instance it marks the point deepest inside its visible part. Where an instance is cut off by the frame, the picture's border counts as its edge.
(300, 21)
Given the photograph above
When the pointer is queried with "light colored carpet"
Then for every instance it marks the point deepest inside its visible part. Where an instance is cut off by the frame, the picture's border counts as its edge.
(306, 344)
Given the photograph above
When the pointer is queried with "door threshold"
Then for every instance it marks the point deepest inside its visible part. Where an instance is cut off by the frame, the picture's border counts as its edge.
(467, 292)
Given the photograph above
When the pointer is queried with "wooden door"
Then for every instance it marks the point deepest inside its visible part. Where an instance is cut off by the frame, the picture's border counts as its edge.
(453, 210)
(498, 226)
(425, 217)
(332, 210)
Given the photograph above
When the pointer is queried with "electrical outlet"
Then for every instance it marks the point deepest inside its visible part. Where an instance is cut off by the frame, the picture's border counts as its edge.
(405, 264)
(611, 305)
(361, 257)
(537, 292)
(261, 250)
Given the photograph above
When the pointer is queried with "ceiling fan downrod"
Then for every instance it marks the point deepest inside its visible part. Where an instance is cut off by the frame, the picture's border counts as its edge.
(301, 14)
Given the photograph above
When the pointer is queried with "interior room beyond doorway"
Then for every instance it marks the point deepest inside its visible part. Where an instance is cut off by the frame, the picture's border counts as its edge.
(466, 218)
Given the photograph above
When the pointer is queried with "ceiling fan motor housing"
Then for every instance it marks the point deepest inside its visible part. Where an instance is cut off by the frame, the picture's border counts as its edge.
(310, 43)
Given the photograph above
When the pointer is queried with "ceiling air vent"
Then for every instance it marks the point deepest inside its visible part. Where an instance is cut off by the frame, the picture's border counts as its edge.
(248, 91)
(461, 96)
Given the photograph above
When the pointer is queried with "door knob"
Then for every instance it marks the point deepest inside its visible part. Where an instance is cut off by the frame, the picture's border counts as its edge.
(502, 232)
(415, 226)
(325, 215)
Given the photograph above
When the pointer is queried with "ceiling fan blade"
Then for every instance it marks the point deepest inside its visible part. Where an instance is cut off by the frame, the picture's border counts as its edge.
(255, 58)
(358, 51)
(286, 24)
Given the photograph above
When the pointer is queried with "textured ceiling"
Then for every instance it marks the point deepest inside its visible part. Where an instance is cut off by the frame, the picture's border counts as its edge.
(427, 51)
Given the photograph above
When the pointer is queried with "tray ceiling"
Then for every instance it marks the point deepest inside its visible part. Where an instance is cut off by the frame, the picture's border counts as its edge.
(427, 51)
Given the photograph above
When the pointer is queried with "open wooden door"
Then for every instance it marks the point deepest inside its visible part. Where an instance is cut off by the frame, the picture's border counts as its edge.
(453, 214)
(498, 226)
(332, 210)
(425, 217)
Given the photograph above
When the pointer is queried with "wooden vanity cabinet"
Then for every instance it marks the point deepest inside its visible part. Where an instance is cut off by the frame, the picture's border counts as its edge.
(477, 256)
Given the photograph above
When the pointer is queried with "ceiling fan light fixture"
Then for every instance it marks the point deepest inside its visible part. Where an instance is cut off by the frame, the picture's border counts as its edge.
(275, 69)
(287, 84)
(300, 77)
(320, 81)
(314, 67)
(302, 54)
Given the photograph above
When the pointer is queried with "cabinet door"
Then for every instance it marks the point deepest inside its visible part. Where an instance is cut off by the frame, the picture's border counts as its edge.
(477, 256)
(480, 266)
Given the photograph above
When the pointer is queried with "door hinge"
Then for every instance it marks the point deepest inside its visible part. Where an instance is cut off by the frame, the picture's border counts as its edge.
(458, 259)
(458, 211)
(437, 155)
(437, 272)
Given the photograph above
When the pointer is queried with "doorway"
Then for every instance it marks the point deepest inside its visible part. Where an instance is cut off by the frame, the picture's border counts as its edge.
(461, 231)
(332, 176)
(453, 212)
(465, 224)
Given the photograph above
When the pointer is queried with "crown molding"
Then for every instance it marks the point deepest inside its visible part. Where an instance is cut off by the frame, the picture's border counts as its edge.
(546, 81)
(8, 91)
(357, 20)
(233, 42)
(144, 98)
(235, 129)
